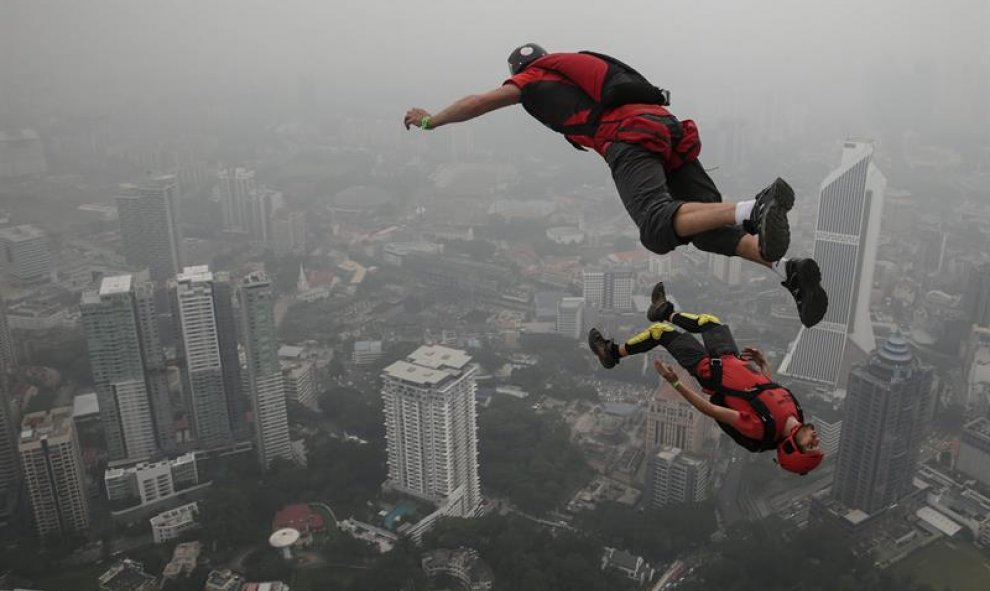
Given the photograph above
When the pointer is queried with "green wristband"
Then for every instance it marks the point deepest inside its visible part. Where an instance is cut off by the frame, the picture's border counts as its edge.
(424, 123)
(675, 384)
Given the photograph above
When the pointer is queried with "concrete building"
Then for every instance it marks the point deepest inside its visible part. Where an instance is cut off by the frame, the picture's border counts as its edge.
(464, 565)
(974, 450)
(149, 227)
(127, 575)
(26, 254)
(121, 327)
(977, 298)
(53, 472)
(199, 351)
(271, 426)
(223, 580)
(21, 153)
(366, 352)
(8, 351)
(887, 416)
(431, 426)
(728, 270)
(146, 482)
(288, 232)
(846, 239)
(236, 186)
(300, 382)
(570, 317)
(673, 422)
(608, 290)
(171, 524)
(677, 476)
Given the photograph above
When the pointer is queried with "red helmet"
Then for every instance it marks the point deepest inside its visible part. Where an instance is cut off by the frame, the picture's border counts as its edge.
(791, 458)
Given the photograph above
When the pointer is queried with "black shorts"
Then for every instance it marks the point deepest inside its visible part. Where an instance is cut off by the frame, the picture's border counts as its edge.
(652, 198)
(688, 352)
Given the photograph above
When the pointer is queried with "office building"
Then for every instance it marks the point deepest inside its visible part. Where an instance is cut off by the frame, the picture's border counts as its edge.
(673, 422)
(677, 476)
(150, 482)
(169, 525)
(974, 451)
(236, 186)
(609, 290)
(570, 317)
(847, 235)
(25, 253)
(149, 227)
(728, 270)
(889, 401)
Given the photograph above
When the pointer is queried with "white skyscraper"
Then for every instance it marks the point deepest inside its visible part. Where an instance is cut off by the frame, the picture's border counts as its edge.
(609, 290)
(570, 317)
(125, 352)
(202, 370)
(849, 212)
(728, 270)
(236, 186)
(431, 427)
(25, 253)
(676, 476)
(53, 471)
(271, 426)
(149, 227)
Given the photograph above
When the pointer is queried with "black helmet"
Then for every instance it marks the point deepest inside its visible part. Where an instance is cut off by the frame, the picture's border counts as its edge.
(523, 55)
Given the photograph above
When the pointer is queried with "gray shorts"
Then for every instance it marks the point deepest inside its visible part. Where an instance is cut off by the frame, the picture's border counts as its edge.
(652, 198)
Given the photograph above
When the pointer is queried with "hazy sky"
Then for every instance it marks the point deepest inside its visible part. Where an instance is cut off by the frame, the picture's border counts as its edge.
(384, 56)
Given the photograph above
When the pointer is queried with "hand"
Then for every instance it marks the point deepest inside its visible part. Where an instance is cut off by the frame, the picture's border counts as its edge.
(666, 372)
(414, 116)
(754, 355)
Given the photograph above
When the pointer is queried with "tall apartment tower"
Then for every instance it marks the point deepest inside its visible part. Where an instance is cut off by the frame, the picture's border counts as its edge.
(125, 351)
(199, 349)
(8, 353)
(53, 471)
(849, 211)
(676, 476)
(24, 251)
(10, 472)
(570, 317)
(271, 426)
(236, 186)
(609, 290)
(431, 427)
(149, 227)
(888, 410)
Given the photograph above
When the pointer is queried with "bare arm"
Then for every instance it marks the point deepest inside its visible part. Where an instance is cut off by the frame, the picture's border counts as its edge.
(466, 108)
(719, 413)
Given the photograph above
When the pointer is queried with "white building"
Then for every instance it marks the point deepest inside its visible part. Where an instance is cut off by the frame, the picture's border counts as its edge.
(609, 290)
(974, 450)
(849, 210)
(288, 232)
(431, 426)
(53, 472)
(366, 352)
(150, 482)
(171, 524)
(677, 477)
(199, 347)
(235, 185)
(25, 253)
(271, 424)
(121, 327)
(570, 317)
(728, 270)
(300, 383)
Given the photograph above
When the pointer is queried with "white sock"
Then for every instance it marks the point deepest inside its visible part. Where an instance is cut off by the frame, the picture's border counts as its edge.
(780, 268)
(743, 209)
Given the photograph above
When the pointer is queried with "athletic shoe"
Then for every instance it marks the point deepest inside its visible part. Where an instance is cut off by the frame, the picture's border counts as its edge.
(768, 220)
(804, 281)
(602, 348)
(660, 309)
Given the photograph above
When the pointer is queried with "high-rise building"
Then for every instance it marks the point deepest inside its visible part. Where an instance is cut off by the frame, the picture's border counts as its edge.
(431, 427)
(888, 407)
(728, 270)
(125, 352)
(200, 354)
(271, 426)
(609, 290)
(677, 476)
(8, 353)
(846, 238)
(931, 240)
(673, 422)
(25, 253)
(974, 450)
(570, 317)
(10, 470)
(149, 227)
(236, 186)
(978, 295)
(235, 380)
(288, 232)
(300, 382)
(53, 471)
(262, 205)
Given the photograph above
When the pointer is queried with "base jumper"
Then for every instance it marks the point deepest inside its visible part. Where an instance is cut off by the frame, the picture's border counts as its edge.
(755, 412)
(599, 103)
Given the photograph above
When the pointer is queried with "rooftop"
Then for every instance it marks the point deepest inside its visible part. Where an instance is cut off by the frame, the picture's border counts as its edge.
(115, 285)
(197, 273)
(438, 356)
(980, 427)
(85, 405)
(39, 426)
(21, 233)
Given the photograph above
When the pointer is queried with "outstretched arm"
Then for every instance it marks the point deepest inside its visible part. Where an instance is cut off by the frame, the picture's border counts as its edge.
(466, 108)
(719, 413)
